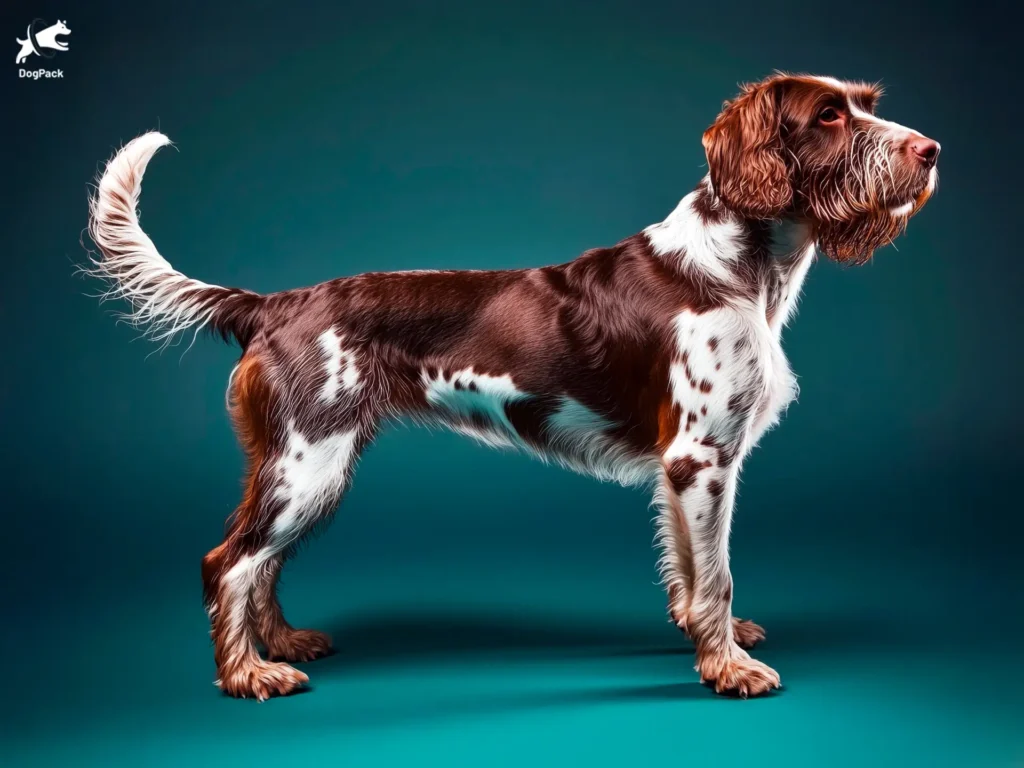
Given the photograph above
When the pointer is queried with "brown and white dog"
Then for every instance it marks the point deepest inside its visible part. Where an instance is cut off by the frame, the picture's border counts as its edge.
(656, 361)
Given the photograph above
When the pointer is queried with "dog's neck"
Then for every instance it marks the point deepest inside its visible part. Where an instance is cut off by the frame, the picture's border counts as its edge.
(793, 250)
(706, 240)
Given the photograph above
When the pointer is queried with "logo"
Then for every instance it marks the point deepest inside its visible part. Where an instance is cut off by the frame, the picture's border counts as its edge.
(41, 41)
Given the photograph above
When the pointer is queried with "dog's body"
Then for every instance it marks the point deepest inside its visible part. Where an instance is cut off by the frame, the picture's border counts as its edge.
(46, 38)
(656, 361)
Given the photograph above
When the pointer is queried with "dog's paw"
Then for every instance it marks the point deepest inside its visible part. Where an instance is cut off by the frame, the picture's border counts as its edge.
(746, 633)
(299, 645)
(741, 676)
(261, 680)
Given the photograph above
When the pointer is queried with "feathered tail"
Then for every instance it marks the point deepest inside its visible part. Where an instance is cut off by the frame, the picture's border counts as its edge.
(164, 302)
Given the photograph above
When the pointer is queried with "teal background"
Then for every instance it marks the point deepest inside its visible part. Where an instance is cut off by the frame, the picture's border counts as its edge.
(489, 610)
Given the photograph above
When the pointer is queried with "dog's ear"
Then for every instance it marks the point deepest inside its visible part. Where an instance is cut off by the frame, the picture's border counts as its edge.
(745, 153)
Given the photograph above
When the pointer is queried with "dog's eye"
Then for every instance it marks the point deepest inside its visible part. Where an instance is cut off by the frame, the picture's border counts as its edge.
(828, 115)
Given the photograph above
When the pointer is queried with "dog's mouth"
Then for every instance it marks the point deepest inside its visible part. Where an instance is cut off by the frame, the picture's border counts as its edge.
(917, 197)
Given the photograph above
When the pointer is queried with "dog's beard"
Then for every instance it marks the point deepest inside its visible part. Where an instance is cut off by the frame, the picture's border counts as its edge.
(863, 201)
(854, 241)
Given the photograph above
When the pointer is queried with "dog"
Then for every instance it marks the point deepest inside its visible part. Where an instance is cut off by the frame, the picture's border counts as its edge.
(654, 362)
(45, 38)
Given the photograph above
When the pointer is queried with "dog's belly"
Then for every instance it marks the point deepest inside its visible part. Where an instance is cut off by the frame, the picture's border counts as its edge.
(492, 410)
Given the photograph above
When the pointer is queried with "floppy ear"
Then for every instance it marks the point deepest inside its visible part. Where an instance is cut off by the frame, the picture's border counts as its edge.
(744, 151)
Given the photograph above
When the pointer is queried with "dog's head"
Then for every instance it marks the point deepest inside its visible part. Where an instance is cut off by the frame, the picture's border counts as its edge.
(812, 148)
(60, 28)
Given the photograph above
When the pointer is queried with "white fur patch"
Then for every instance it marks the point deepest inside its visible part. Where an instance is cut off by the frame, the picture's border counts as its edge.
(310, 476)
(724, 353)
(573, 420)
(902, 210)
(578, 439)
(342, 372)
(236, 589)
(831, 82)
(710, 248)
(467, 394)
(895, 131)
(699, 365)
(575, 437)
(164, 302)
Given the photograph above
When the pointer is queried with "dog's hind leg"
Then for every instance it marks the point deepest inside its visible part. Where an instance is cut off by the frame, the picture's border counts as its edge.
(313, 471)
(295, 480)
(281, 640)
(230, 575)
(295, 488)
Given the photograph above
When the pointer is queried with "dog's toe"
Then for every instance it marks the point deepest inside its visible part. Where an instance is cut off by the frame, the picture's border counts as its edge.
(746, 633)
(299, 645)
(744, 677)
(261, 680)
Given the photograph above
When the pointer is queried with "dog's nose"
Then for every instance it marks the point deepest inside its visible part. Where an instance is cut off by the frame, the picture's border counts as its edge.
(926, 150)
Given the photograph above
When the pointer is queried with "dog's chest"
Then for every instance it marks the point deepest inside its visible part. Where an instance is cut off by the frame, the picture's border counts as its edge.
(730, 376)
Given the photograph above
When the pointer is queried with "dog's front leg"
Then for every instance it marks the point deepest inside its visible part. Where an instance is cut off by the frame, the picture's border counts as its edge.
(701, 490)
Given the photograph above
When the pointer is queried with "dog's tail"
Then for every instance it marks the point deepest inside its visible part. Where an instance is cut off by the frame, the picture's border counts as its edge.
(164, 302)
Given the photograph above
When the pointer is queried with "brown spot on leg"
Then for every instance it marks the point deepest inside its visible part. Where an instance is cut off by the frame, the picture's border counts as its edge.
(682, 473)
(685, 359)
(726, 451)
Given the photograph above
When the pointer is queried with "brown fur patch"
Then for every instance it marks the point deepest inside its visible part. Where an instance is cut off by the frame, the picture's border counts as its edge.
(682, 473)
(669, 414)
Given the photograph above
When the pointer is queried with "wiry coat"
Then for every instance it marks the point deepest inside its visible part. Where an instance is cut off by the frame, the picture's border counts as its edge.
(656, 361)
